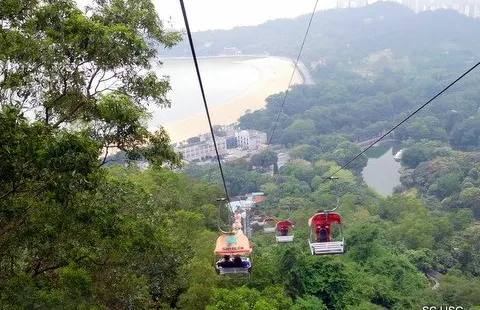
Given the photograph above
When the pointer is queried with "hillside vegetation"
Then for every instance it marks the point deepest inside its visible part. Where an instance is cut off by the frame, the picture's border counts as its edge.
(353, 37)
(76, 233)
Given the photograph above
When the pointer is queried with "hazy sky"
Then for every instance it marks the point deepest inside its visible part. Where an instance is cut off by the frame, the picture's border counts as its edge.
(226, 14)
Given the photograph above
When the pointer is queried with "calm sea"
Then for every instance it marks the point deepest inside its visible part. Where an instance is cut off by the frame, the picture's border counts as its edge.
(223, 79)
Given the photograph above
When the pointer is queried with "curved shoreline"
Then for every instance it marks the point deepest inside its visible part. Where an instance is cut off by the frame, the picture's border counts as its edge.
(254, 98)
(301, 68)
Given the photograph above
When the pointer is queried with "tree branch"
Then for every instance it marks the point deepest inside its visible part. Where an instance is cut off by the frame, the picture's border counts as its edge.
(80, 103)
(14, 188)
(7, 193)
(105, 157)
(91, 81)
(64, 92)
(39, 271)
(98, 83)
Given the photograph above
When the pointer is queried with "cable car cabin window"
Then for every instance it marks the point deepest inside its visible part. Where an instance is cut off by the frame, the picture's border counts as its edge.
(237, 262)
(335, 232)
(328, 233)
(322, 235)
(237, 265)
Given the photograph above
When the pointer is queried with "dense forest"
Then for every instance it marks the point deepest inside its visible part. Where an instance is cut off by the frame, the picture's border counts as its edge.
(78, 233)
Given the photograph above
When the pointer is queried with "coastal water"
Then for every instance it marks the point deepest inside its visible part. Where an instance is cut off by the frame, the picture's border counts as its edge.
(381, 172)
(223, 79)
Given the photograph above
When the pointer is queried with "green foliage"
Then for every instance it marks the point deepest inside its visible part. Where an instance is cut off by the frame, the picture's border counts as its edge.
(465, 134)
(309, 302)
(240, 179)
(297, 131)
(447, 184)
(362, 242)
(330, 280)
(460, 291)
(412, 157)
(305, 151)
(87, 70)
(470, 198)
(429, 127)
(462, 219)
(244, 298)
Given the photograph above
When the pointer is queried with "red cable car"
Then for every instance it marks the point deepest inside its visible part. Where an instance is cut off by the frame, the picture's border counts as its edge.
(326, 236)
(284, 231)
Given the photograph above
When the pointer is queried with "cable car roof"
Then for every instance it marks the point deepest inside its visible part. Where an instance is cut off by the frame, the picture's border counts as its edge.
(325, 218)
(285, 224)
(233, 243)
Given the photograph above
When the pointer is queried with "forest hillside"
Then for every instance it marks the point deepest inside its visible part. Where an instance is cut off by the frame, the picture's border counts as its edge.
(384, 32)
(77, 233)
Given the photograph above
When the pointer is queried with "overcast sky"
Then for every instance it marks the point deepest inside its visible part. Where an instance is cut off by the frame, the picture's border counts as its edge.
(226, 14)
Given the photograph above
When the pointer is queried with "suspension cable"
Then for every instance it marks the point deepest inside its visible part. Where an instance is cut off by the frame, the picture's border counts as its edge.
(192, 47)
(293, 73)
(403, 121)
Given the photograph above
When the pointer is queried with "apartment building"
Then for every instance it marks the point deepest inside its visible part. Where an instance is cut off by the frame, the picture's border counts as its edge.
(202, 150)
(250, 139)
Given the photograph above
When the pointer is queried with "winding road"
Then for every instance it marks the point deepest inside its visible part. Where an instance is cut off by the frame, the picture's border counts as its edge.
(433, 275)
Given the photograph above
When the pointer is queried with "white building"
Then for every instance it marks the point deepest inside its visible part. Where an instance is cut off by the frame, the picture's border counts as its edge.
(250, 139)
(202, 150)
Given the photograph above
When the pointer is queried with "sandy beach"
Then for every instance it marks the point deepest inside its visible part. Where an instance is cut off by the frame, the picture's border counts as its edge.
(275, 73)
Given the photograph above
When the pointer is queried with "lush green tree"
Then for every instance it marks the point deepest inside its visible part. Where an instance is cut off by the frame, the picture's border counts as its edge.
(447, 184)
(297, 131)
(468, 244)
(244, 298)
(305, 151)
(292, 187)
(423, 259)
(300, 169)
(460, 291)
(466, 133)
(470, 198)
(362, 242)
(428, 127)
(453, 118)
(330, 280)
(309, 302)
(344, 152)
(88, 70)
(240, 180)
(412, 157)
(462, 219)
